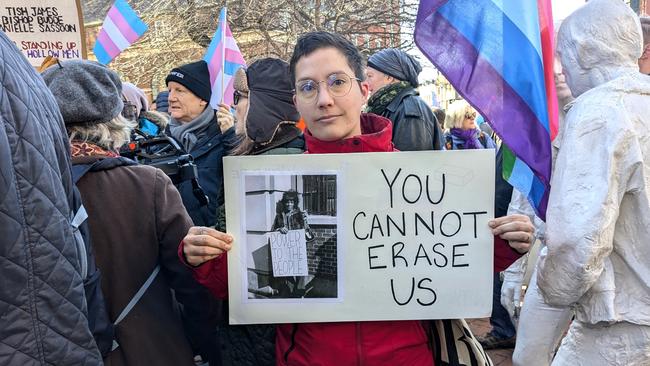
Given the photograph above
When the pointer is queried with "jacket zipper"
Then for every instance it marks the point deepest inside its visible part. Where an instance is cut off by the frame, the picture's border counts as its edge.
(359, 347)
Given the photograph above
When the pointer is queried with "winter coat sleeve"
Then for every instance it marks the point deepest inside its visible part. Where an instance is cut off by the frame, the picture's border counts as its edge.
(591, 176)
(212, 274)
(201, 310)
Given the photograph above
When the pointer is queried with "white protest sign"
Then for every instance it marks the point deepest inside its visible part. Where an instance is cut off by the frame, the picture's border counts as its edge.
(390, 236)
(289, 253)
(42, 28)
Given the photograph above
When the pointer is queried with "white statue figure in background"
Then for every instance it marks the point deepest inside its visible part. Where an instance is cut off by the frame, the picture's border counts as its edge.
(540, 327)
(598, 217)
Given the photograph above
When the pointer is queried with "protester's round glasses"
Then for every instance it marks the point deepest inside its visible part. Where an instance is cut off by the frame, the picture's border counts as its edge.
(236, 96)
(338, 85)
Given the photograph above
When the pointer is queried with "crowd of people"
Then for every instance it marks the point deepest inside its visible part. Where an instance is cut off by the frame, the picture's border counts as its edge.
(107, 260)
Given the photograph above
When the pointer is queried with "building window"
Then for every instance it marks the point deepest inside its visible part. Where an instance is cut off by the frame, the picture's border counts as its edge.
(319, 194)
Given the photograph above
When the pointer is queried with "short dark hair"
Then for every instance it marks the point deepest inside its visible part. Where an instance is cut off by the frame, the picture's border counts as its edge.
(312, 41)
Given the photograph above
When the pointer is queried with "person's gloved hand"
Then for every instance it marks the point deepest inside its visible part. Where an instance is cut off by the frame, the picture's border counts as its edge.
(513, 276)
(225, 118)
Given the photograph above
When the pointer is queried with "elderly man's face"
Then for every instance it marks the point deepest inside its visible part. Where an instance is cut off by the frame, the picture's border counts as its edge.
(184, 106)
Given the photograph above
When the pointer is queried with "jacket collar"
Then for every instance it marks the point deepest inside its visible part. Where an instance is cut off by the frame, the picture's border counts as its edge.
(376, 136)
(392, 107)
(209, 140)
(284, 134)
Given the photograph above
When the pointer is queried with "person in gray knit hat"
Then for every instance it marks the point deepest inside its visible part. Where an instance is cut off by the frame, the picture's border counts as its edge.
(393, 77)
(89, 96)
(129, 244)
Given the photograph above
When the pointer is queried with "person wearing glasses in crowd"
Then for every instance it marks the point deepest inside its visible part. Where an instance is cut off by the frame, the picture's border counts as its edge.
(392, 77)
(265, 125)
(462, 133)
(328, 75)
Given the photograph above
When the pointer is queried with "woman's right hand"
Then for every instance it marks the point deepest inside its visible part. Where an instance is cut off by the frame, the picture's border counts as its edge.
(202, 244)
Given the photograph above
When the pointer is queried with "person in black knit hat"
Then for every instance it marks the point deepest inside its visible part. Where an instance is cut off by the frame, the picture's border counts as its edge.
(194, 125)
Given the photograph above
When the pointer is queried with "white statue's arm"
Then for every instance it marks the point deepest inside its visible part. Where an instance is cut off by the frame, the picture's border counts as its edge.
(590, 178)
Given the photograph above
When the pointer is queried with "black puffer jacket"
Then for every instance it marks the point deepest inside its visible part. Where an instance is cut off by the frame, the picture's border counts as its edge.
(414, 125)
(43, 319)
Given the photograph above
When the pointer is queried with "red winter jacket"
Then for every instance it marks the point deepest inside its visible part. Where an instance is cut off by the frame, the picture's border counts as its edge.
(376, 343)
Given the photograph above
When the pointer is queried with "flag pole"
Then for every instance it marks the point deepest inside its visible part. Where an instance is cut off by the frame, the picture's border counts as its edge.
(223, 49)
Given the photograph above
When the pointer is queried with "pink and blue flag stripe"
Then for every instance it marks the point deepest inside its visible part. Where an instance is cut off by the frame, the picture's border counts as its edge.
(121, 28)
(498, 55)
(223, 58)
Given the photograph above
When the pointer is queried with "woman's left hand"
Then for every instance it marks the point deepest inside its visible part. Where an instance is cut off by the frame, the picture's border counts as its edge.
(224, 117)
(518, 230)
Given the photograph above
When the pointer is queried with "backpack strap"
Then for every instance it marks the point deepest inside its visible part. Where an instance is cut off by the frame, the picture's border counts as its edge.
(79, 170)
(79, 217)
(134, 300)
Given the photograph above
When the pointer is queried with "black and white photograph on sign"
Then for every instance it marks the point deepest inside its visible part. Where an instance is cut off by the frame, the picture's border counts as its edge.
(291, 229)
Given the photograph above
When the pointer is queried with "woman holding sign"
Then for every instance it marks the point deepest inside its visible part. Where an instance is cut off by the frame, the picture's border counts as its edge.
(328, 77)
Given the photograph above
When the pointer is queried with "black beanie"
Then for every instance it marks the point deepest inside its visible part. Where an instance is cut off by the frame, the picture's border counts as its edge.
(195, 77)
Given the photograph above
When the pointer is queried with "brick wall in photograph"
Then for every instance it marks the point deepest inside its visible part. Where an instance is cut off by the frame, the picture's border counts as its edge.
(321, 252)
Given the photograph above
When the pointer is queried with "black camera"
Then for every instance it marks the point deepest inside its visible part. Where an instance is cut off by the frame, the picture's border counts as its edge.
(164, 153)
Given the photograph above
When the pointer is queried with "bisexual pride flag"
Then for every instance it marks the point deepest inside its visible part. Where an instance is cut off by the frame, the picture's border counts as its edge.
(498, 54)
(121, 28)
(223, 59)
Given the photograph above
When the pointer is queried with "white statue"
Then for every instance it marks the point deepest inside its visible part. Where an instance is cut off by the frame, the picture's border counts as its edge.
(540, 327)
(598, 217)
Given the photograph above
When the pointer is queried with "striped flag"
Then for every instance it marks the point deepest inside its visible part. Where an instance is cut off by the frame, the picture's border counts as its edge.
(121, 28)
(223, 58)
(499, 57)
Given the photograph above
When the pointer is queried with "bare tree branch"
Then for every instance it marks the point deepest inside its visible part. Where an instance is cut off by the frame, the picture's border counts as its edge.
(180, 30)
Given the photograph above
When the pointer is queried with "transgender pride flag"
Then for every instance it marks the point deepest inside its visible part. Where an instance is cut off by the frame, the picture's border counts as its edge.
(223, 58)
(121, 28)
(499, 55)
